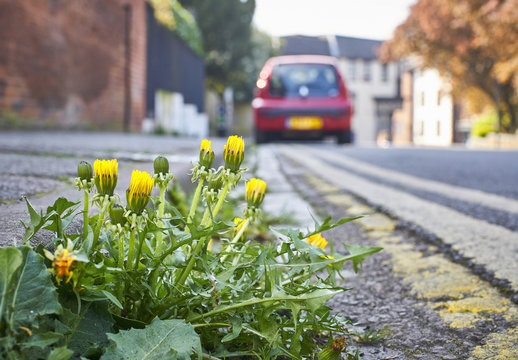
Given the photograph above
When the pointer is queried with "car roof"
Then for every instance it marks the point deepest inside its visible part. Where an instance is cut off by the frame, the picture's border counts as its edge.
(302, 59)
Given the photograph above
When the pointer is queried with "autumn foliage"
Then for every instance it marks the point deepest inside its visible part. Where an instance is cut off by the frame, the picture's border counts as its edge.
(474, 42)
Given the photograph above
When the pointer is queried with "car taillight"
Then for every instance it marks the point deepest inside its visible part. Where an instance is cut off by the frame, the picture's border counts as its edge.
(263, 81)
(261, 89)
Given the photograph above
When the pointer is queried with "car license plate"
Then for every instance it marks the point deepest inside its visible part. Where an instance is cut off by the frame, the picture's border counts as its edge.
(304, 123)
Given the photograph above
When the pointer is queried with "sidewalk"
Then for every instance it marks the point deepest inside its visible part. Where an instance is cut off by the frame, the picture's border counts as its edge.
(42, 166)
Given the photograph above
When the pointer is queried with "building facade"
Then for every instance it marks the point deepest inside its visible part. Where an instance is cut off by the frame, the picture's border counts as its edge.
(433, 110)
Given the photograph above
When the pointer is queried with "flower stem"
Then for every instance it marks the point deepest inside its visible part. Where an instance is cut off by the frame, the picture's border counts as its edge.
(141, 236)
(237, 237)
(195, 201)
(85, 215)
(201, 242)
(160, 235)
(98, 228)
(205, 215)
(190, 264)
(121, 250)
(221, 200)
(131, 250)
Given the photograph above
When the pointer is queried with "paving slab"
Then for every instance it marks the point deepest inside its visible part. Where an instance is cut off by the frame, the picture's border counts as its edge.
(42, 166)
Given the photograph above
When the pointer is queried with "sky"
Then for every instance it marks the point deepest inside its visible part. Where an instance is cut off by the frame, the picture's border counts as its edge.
(370, 19)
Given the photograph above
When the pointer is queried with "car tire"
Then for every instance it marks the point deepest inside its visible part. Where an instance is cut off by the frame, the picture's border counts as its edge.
(261, 137)
(344, 137)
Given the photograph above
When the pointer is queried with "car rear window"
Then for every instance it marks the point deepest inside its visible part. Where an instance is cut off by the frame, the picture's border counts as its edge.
(304, 80)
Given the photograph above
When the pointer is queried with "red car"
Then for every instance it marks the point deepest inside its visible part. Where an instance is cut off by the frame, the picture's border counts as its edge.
(301, 95)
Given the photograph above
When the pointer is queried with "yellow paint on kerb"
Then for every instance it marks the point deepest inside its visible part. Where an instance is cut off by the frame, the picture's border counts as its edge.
(378, 222)
(498, 346)
(460, 298)
(322, 185)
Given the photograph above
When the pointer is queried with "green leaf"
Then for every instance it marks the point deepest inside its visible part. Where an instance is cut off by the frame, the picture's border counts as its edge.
(161, 340)
(35, 294)
(112, 298)
(10, 261)
(39, 220)
(35, 223)
(61, 204)
(61, 353)
(358, 253)
(126, 323)
(310, 300)
(95, 321)
(237, 326)
(42, 340)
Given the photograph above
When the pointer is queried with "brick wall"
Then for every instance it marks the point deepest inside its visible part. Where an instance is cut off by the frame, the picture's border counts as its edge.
(68, 61)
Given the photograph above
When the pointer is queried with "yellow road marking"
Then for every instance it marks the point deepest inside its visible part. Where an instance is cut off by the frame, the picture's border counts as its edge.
(460, 298)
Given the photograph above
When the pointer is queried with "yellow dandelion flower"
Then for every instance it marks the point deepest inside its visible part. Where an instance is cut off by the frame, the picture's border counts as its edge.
(105, 176)
(206, 154)
(205, 145)
(234, 152)
(317, 240)
(255, 190)
(239, 224)
(137, 195)
(63, 261)
(63, 264)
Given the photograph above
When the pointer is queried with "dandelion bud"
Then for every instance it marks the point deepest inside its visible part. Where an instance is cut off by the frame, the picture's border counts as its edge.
(117, 215)
(234, 152)
(317, 240)
(161, 165)
(137, 195)
(85, 171)
(105, 176)
(255, 190)
(206, 154)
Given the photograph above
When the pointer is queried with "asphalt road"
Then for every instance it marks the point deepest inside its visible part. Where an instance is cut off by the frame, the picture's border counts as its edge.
(466, 200)
(489, 171)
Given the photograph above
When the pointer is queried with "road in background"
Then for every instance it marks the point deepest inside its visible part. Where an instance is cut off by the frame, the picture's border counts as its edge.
(466, 199)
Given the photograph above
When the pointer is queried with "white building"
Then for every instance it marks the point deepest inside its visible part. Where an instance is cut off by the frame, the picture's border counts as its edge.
(373, 86)
(433, 111)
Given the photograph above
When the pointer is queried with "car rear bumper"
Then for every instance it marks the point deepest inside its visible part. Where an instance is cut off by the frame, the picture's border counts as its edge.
(303, 120)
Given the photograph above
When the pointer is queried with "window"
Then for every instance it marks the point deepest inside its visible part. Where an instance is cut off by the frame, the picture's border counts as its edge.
(421, 98)
(367, 71)
(438, 128)
(384, 73)
(352, 70)
(439, 97)
(420, 128)
(304, 80)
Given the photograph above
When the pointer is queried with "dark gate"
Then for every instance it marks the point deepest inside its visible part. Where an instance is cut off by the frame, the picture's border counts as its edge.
(172, 66)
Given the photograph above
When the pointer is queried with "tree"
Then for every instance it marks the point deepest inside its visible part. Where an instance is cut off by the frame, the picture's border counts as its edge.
(474, 42)
(227, 37)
